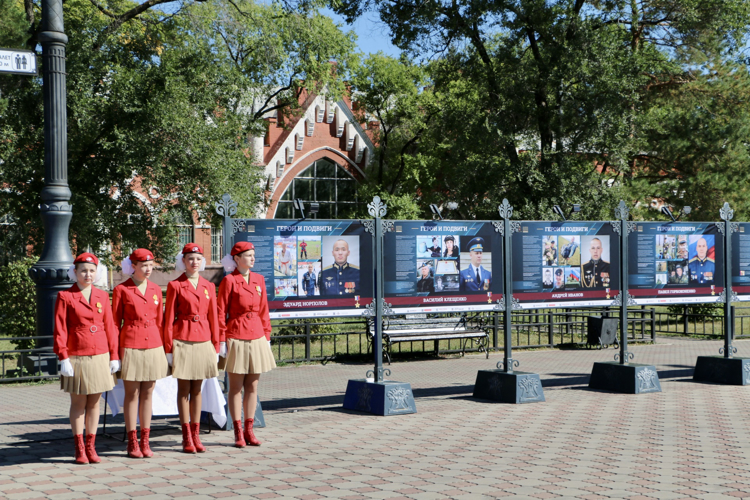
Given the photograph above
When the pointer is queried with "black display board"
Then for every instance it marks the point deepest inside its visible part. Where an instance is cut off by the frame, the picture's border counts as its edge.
(313, 267)
(675, 262)
(565, 264)
(431, 266)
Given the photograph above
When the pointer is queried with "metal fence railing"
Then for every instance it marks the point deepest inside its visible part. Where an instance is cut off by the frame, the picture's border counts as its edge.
(322, 340)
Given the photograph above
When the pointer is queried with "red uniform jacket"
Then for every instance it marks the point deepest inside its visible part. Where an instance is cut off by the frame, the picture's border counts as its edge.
(80, 328)
(190, 313)
(139, 317)
(243, 308)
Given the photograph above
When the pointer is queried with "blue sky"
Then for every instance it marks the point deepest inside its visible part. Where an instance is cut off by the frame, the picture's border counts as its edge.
(372, 34)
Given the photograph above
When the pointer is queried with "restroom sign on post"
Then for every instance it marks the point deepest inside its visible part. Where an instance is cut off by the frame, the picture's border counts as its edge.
(19, 62)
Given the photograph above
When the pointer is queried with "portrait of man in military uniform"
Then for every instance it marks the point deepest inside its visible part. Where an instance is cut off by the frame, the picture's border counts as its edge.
(559, 279)
(596, 272)
(702, 266)
(549, 253)
(475, 278)
(426, 282)
(547, 278)
(678, 274)
(342, 277)
(309, 280)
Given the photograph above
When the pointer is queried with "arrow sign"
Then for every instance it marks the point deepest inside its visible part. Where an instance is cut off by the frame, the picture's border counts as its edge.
(19, 62)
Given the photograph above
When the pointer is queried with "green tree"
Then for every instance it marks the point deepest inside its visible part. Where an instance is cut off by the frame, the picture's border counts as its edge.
(160, 109)
(535, 95)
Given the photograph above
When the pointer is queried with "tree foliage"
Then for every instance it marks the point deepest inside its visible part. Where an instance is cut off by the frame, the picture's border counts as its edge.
(160, 112)
(574, 101)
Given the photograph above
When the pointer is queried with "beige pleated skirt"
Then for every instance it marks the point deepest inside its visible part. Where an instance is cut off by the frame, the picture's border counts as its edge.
(193, 360)
(90, 375)
(249, 356)
(144, 365)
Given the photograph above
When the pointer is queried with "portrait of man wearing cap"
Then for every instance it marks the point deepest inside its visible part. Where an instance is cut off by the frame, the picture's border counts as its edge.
(451, 248)
(426, 283)
(559, 279)
(475, 278)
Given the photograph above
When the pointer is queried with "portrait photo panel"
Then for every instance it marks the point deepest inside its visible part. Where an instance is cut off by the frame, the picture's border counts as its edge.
(351, 246)
(308, 275)
(284, 255)
(308, 247)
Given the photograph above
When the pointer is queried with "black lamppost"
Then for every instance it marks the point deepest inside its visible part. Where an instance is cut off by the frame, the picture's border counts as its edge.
(50, 272)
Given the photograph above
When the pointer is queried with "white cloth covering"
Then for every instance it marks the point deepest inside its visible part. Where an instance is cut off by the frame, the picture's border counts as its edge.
(164, 399)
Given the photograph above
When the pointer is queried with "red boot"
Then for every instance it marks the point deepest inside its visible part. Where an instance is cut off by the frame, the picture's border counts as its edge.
(249, 435)
(239, 439)
(81, 457)
(195, 430)
(187, 439)
(134, 450)
(90, 451)
(145, 448)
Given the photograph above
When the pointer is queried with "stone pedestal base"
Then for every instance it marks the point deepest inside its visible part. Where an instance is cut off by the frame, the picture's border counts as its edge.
(516, 387)
(379, 398)
(721, 370)
(632, 378)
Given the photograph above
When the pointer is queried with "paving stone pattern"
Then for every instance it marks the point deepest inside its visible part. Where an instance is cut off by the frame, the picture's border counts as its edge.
(690, 441)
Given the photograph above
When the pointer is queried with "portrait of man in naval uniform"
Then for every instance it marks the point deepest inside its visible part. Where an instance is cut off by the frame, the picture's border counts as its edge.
(595, 273)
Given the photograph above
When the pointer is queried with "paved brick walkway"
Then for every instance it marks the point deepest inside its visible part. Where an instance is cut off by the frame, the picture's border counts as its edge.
(690, 441)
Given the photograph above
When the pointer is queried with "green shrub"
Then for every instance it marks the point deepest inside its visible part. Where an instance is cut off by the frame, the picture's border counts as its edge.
(18, 302)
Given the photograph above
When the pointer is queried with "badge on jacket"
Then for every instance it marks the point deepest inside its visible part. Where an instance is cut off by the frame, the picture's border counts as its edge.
(257, 288)
(156, 300)
(99, 307)
(206, 291)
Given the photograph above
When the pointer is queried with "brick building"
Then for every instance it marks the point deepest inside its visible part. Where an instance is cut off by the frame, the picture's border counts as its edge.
(318, 156)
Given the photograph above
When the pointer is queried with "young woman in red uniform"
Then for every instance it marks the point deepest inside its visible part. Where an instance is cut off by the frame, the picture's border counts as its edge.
(138, 314)
(246, 336)
(191, 340)
(85, 341)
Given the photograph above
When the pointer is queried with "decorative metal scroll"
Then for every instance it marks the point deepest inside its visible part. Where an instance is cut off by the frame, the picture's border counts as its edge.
(226, 207)
(628, 356)
(369, 310)
(512, 363)
(499, 227)
(622, 211)
(369, 225)
(377, 208)
(505, 210)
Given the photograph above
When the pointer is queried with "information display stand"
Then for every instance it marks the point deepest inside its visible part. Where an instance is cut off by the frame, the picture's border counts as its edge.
(374, 394)
(504, 384)
(621, 375)
(726, 369)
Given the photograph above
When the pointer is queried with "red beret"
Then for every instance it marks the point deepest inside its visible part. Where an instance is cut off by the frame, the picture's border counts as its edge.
(192, 248)
(141, 255)
(241, 246)
(86, 258)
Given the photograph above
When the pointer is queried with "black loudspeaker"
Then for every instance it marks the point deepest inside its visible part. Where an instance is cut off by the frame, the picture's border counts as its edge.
(602, 332)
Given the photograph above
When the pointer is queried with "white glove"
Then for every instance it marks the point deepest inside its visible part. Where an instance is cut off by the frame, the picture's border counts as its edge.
(269, 342)
(217, 357)
(169, 359)
(66, 368)
(223, 349)
(114, 366)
